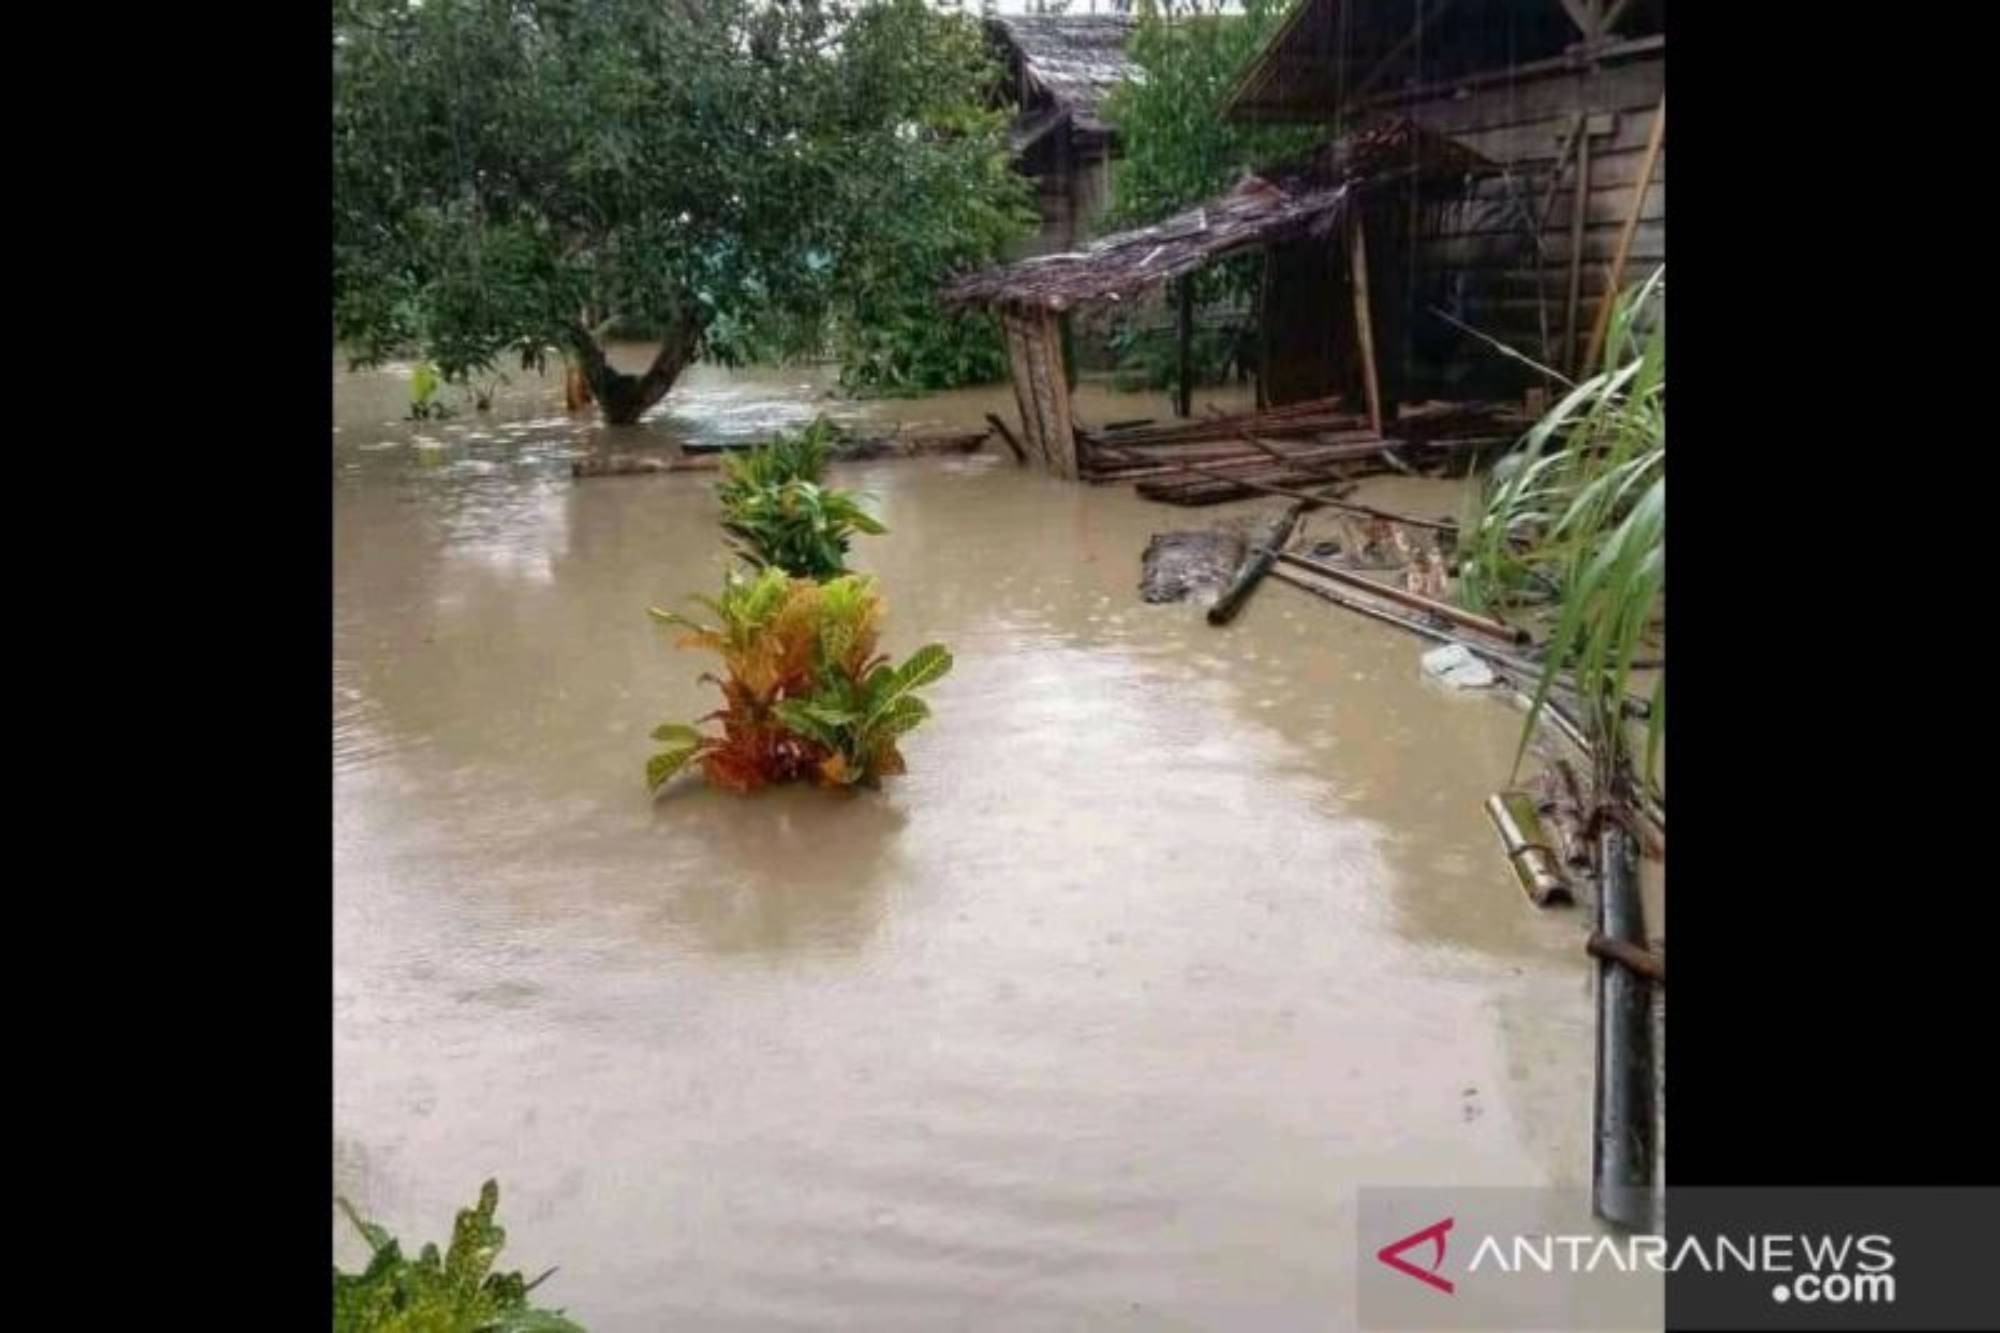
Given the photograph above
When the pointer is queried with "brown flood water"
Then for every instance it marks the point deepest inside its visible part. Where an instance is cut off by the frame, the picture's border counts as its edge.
(1170, 938)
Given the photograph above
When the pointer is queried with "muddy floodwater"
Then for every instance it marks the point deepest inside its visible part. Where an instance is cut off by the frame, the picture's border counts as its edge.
(1170, 938)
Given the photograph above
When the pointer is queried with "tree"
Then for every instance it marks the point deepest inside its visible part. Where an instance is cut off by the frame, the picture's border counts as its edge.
(516, 176)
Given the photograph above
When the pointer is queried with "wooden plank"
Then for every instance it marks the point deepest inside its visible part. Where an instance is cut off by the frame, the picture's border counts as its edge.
(1608, 206)
(1513, 252)
(1518, 144)
(1552, 95)
(1639, 49)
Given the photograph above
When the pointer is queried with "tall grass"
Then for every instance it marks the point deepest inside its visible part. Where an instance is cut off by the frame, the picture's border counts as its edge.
(1575, 519)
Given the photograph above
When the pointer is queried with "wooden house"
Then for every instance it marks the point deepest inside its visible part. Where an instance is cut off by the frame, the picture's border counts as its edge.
(1058, 70)
(1566, 97)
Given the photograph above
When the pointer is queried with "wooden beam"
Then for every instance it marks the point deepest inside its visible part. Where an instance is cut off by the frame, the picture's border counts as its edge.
(1617, 270)
(1637, 46)
(1609, 21)
(1357, 259)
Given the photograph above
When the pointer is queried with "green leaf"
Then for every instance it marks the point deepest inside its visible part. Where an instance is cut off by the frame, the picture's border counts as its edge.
(929, 663)
(662, 766)
(676, 732)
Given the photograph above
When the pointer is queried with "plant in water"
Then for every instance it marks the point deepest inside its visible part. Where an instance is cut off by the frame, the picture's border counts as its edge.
(455, 1293)
(779, 512)
(425, 384)
(1576, 515)
(807, 696)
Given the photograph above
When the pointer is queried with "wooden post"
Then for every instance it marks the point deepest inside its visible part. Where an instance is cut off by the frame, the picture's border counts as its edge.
(1264, 329)
(1617, 271)
(1184, 375)
(1060, 429)
(1357, 263)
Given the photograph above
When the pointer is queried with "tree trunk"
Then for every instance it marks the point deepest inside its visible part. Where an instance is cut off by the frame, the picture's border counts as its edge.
(625, 398)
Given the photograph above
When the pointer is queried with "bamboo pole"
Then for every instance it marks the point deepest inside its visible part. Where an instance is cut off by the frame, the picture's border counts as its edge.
(1256, 563)
(1416, 601)
(1357, 258)
(1622, 1138)
(1625, 234)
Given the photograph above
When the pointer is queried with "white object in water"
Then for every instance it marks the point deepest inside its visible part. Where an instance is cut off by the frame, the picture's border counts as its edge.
(1458, 666)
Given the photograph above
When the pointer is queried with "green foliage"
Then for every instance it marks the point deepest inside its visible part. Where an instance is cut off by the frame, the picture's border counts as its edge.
(1149, 357)
(455, 1293)
(789, 455)
(1578, 510)
(425, 382)
(780, 514)
(807, 697)
(948, 208)
(905, 346)
(512, 175)
(1178, 150)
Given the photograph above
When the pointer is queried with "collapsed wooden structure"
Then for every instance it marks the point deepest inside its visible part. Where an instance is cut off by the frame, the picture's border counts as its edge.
(1319, 207)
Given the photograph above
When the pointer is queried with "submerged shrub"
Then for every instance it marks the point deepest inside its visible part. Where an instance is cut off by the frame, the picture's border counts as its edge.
(458, 1293)
(781, 516)
(807, 697)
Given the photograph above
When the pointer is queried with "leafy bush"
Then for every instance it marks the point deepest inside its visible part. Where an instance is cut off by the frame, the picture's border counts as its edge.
(780, 514)
(907, 347)
(458, 1293)
(425, 384)
(1579, 510)
(789, 455)
(807, 697)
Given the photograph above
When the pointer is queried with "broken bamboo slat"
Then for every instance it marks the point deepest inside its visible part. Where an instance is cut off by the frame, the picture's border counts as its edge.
(1256, 563)
(1535, 863)
(1417, 601)
(1642, 961)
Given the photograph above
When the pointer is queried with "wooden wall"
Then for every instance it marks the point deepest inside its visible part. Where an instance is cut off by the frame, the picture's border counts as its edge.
(1481, 264)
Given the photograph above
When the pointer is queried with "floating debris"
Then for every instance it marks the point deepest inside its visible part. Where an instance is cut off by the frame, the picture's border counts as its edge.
(1459, 667)
(1179, 565)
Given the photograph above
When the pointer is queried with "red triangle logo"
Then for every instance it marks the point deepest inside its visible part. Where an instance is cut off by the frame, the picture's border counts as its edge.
(1392, 1255)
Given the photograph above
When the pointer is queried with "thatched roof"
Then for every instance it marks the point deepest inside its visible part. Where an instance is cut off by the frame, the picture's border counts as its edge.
(1255, 213)
(1303, 197)
(1074, 58)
